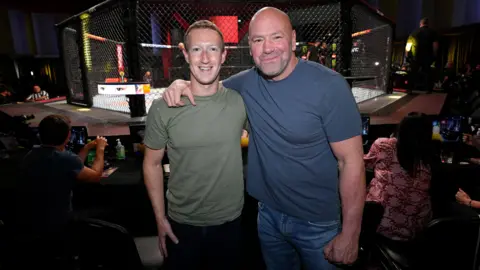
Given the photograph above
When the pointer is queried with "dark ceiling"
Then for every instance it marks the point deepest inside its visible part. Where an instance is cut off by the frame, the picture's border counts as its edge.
(77, 6)
(51, 6)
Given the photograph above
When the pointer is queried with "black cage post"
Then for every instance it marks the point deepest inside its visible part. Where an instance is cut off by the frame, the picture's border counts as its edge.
(346, 32)
(71, 52)
(135, 102)
(83, 64)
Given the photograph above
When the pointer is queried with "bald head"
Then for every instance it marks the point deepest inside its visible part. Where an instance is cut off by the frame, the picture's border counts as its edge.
(270, 14)
(272, 43)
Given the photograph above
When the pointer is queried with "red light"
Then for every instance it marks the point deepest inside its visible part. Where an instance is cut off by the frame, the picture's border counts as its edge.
(228, 25)
(120, 57)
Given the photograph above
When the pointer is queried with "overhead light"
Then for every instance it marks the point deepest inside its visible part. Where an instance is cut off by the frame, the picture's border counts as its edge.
(31, 73)
(377, 63)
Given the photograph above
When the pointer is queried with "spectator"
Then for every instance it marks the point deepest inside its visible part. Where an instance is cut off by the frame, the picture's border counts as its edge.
(37, 95)
(402, 167)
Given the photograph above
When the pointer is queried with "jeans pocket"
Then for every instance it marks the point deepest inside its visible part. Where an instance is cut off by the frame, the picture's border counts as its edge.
(325, 224)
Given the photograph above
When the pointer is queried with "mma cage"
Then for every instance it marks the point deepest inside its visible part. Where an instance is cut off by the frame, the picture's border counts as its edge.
(113, 45)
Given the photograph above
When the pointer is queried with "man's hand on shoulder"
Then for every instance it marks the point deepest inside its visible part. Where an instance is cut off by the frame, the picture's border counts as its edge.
(173, 94)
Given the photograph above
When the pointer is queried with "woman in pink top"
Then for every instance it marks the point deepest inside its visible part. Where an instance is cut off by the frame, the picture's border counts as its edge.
(402, 167)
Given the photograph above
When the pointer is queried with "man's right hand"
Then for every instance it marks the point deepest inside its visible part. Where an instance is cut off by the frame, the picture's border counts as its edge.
(165, 229)
(173, 94)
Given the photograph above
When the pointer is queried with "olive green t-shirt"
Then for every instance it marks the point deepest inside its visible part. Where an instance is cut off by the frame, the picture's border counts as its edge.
(203, 143)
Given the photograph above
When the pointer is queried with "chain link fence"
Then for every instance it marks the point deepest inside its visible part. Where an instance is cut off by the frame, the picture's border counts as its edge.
(107, 58)
(72, 65)
(371, 52)
(161, 28)
(96, 43)
(100, 40)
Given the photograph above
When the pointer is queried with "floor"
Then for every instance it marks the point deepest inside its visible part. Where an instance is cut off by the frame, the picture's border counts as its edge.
(430, 104)
(386, 109)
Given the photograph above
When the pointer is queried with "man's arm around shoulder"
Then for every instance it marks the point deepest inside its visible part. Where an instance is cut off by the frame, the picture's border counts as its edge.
(173, 94)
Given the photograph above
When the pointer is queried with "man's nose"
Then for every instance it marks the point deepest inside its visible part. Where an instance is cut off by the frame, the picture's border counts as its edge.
(268, 46)
(204, 57)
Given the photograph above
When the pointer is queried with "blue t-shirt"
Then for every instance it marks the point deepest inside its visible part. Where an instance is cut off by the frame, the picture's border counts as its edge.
(44, 189)
(291, 166)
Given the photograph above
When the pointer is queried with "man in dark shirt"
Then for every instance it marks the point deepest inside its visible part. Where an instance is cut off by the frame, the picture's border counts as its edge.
(44, 190)
(313, 53)
(325, 55)
(424, 50)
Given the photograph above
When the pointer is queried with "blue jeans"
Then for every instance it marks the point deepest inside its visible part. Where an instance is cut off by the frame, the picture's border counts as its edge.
(289, 243)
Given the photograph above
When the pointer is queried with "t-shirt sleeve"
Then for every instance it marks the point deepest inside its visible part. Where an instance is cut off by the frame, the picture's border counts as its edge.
(73, 163)
(236, 81)
(156, 135)
(341, 118)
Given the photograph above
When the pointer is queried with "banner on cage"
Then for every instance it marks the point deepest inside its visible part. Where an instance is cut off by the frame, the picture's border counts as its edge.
(124, 89)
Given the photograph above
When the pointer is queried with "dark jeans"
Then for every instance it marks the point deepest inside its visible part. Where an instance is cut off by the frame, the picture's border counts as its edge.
(217, 246)
(420, 71)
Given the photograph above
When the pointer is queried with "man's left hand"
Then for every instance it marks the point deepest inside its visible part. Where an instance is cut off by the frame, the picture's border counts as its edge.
(343, 249)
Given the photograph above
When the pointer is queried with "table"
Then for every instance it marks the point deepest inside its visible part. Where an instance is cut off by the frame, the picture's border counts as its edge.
(129, 172)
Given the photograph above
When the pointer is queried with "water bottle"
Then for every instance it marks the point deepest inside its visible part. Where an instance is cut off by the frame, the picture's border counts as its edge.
(120, 150)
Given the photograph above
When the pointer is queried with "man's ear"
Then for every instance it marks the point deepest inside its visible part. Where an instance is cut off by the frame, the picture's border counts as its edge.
(224, 55)
(294, 40)
(185, 54)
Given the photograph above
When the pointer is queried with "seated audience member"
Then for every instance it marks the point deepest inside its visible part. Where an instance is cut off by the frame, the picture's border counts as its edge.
(37, 95)
(5, 96)
(472, 140)
(449, 76)
(402, 167)
(148, 77)
(44, 188)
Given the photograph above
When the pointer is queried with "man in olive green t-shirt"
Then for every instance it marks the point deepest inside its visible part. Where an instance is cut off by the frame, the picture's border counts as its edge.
(205, 190)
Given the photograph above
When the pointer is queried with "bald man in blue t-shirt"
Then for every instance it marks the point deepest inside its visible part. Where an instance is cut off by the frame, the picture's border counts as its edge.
(305, 162)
